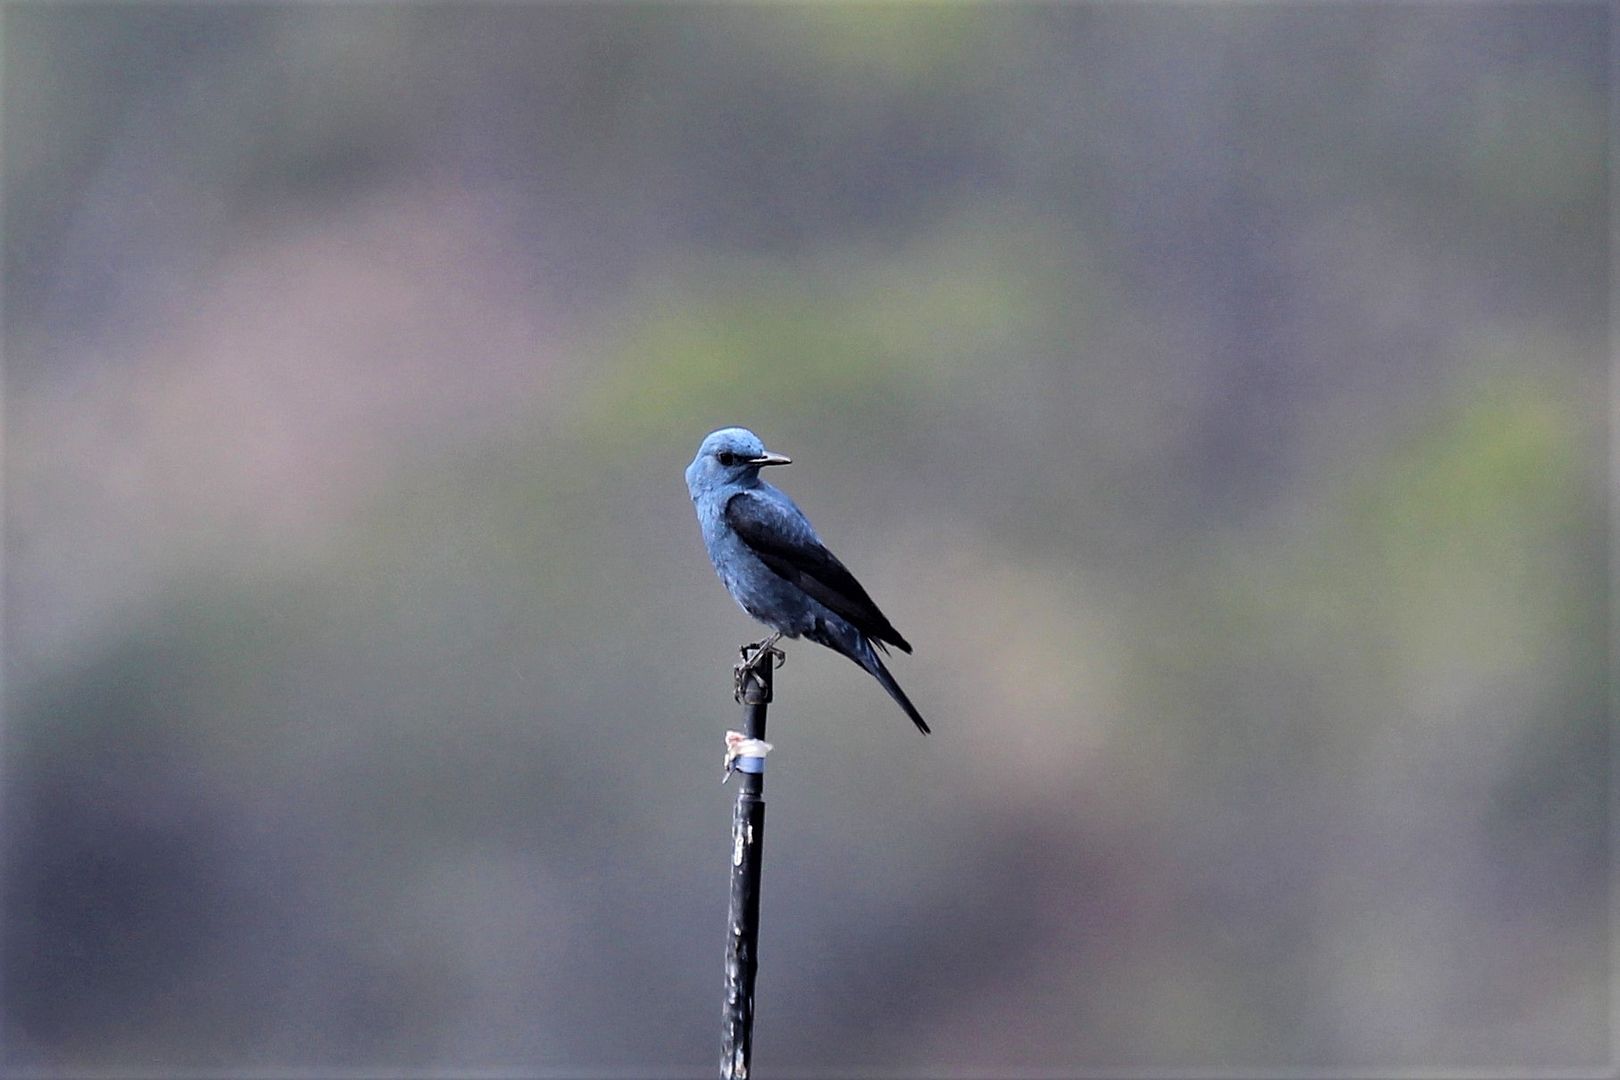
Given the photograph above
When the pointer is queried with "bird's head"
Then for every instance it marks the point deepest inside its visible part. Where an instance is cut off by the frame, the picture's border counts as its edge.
(728, 456)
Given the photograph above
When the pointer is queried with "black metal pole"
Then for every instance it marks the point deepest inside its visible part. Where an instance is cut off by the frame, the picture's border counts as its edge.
(747, 843)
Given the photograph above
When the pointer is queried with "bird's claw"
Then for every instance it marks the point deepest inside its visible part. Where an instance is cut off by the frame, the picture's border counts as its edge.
(752, 655)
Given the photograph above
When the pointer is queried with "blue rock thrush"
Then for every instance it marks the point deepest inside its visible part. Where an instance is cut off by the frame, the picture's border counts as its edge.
(774, 564)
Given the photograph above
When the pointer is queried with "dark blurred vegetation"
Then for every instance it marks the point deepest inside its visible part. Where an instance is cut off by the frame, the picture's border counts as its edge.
(1214, 394)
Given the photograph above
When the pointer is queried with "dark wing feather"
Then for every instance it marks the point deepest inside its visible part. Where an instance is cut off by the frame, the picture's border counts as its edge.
(783, 541)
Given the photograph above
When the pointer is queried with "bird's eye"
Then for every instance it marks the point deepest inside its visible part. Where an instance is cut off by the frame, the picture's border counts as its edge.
(726, 458)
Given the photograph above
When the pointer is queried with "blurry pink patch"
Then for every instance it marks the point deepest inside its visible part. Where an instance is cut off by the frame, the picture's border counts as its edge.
(319, 361)
(324, 356)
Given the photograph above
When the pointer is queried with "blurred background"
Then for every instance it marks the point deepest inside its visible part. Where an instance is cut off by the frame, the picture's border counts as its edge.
(1215, 395)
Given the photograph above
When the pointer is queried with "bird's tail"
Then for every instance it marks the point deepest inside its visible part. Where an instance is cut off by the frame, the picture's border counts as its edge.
(841, 637)
(871, 662)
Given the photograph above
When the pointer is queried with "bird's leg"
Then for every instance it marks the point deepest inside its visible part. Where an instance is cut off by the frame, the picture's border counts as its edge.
(760, 650)
(752, 655)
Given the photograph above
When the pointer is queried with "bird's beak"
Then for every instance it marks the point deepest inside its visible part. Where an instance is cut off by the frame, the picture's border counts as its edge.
(770, 459)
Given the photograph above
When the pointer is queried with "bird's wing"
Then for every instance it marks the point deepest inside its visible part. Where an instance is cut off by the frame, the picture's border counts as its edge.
(783, 540)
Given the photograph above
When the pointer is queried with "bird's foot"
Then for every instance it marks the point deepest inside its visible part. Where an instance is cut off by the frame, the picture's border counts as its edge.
(753, 655)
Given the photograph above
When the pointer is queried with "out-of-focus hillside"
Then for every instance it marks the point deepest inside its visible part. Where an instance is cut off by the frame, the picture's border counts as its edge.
(1214, 395)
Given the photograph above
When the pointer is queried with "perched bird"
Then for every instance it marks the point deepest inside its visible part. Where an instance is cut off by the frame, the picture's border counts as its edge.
(774, 565)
